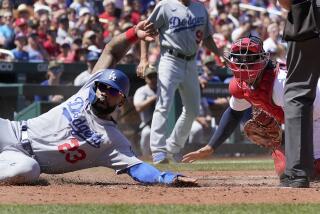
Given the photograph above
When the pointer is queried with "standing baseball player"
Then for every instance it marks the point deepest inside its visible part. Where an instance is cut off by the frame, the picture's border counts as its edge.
(259, 83)
(182, 25)
(80, 133)
(144, 101)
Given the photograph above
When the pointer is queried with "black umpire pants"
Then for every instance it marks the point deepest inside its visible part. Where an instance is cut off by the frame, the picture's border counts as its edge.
(300, 91)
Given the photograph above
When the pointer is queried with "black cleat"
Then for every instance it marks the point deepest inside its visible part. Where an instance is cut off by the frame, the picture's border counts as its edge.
(294, 181)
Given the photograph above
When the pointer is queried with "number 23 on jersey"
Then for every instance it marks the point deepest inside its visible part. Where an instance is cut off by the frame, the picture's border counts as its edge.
(71, 151)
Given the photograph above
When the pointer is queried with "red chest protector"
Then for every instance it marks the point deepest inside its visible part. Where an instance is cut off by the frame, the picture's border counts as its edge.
(261, 97)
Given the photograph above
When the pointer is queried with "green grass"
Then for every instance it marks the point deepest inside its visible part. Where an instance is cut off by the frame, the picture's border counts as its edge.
(147, 209)
(221, 165)
(238, 164)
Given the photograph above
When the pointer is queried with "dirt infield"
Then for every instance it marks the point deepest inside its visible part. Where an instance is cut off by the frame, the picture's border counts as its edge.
(102, 186)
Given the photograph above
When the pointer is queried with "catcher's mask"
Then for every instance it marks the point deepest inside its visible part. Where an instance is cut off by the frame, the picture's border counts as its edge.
(246, 59)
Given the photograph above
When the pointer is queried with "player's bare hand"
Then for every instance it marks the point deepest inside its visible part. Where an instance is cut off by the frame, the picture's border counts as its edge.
(199, 154)
(141, 68)
(145, 31)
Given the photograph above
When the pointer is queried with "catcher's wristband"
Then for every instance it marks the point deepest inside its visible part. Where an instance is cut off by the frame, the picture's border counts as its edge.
(131, 35)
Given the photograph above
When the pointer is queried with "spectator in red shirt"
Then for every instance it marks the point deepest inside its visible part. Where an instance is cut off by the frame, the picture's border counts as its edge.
(44, 25)
(109, 10)
(136, 13)
(51, 46)
(66, 55)
(78, 51)
(21, 26)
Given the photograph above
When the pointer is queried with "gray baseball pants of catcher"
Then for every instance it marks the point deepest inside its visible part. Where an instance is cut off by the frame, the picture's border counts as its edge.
(174, 73)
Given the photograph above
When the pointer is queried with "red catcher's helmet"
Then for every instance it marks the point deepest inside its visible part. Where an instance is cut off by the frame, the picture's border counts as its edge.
(247, 59)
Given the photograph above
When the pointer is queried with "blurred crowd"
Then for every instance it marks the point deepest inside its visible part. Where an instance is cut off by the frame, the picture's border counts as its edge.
(67, 30)
(72, 31)
(63, 30)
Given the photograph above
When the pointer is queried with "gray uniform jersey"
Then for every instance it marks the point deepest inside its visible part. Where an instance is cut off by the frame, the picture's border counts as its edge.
(141, 95)
(70, 137)
(181, 27)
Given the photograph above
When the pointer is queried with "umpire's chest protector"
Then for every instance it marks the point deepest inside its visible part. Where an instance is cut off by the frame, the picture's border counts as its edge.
(260, 97)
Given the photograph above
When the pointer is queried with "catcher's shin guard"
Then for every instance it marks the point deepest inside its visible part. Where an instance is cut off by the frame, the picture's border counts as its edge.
(279, 160)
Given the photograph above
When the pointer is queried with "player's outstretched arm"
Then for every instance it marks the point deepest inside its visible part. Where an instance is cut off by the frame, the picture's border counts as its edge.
(202, 153)
(119, 45)
(229, 121)
(147, 174)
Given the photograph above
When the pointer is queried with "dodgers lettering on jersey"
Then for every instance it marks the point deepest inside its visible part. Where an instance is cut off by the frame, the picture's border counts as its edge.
(178, 24)
(78, 123)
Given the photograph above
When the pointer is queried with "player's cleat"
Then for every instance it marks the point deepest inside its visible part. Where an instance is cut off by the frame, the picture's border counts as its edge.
(160, 158)
(294, 181)
(279, 160)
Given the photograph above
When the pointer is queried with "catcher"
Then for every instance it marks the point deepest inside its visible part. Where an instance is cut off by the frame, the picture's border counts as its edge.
(259, 83)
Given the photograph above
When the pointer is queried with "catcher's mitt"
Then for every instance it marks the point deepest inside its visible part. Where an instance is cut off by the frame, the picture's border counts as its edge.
(183, 181)
(263, 129)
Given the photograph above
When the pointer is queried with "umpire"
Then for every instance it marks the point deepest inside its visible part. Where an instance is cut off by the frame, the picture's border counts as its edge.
(300, 89)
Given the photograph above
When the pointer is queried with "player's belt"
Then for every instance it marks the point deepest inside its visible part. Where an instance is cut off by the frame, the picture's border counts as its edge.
(25, 142)
(180, 55)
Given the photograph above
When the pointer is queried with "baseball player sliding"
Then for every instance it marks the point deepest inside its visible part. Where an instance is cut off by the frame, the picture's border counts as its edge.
(182, 26)
(80, 133)
(258, 83)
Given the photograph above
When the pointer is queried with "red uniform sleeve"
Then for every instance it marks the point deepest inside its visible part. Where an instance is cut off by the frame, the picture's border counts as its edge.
(235, 90)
